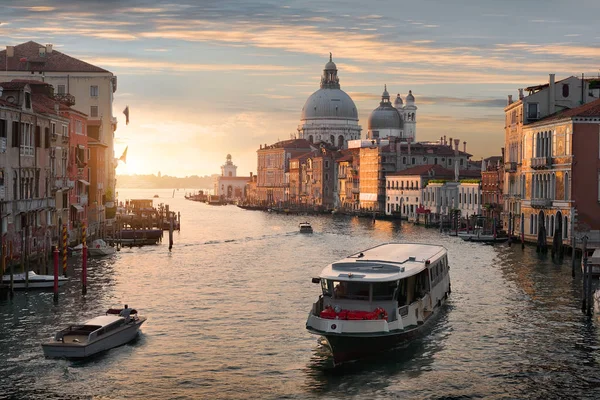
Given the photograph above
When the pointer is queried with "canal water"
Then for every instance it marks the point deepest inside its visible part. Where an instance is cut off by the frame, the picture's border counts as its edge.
(227, 309)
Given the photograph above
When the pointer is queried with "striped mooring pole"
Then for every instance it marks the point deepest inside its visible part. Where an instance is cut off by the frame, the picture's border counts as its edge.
(84, 260)
(64, 249)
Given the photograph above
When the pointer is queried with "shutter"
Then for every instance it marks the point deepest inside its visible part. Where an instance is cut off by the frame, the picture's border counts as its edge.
(15, 134)
(46, 138)
(38, 136)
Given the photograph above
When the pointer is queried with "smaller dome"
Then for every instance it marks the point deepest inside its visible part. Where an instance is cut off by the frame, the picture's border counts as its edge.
(330, 65)
(398, 102)
(410, 97)
(385, 92)
(228, 156)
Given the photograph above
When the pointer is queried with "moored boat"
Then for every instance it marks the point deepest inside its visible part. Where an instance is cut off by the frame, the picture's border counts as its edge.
(593, 263)
(35, 281)
(99, 248)
(117, 327)
(379, 298)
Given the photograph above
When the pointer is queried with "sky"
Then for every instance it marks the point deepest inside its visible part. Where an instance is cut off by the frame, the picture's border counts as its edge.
(208, 78)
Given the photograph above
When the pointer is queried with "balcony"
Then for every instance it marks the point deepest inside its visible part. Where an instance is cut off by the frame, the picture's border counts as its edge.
(25, 205)
(541, 162)
(60, 183)
(54, 137)
(65, 139)
(541, 203)
(508, 196)
(510, 166)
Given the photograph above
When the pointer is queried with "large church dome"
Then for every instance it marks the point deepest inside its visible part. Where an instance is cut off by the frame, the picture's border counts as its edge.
(385, 117)
(329, 102)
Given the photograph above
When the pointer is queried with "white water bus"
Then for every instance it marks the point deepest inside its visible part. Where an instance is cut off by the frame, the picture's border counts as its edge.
(379, 298)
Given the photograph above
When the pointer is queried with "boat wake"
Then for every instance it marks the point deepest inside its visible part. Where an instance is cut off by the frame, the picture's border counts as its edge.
(248, 238)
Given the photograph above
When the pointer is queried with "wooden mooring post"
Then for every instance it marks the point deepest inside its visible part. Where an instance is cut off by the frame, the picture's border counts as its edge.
(171, 215)
(55, 274)
(586, 279)
(83, 261)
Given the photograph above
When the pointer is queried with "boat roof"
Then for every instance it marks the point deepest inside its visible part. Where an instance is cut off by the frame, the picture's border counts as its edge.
(103, 320)
(384, 263)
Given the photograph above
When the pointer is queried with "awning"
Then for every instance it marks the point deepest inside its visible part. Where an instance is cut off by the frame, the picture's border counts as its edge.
(77, 207)
(86, 183)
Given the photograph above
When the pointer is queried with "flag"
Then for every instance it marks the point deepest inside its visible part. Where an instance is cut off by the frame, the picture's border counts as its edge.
(126, 112)
(124, 155)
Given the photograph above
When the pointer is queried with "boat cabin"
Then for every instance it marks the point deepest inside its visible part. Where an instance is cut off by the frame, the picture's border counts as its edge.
(91, 330)
(396, 278)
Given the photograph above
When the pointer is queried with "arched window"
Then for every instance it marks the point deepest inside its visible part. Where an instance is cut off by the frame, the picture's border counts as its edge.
(552, 225)
(413, 161)
(566, 228)
(403, 160)
(565, 90)
(310, 139)
(531, 224)
(332, 140)
(340, 141)
(567, 189)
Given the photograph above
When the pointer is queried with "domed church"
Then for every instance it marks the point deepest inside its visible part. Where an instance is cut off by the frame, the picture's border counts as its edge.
(329, 115)
(398, 120)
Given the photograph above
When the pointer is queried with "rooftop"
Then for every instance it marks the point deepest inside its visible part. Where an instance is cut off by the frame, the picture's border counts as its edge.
(27, 58)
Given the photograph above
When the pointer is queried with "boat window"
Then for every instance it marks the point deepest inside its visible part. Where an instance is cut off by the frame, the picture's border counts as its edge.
(401, 293)
(422, 284)
(327, 287)
(351, 290)
(384, 290)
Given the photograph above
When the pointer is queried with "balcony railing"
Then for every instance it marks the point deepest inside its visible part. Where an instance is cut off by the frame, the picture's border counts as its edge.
(510, 166)
(60, 183)
(507, 196)
(34, 204)
(541, 203)
(541, 162)
(54, 137)
(65, 139)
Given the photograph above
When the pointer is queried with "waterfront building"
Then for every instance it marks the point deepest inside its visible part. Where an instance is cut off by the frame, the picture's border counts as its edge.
(312, 178)
(347, 190)
(78, 179)
(397, 120)
(31, 129)
(89, 89)
(561, 170)
(492, 185)
(273, 167)
(329, 114)
(526, 155)
(228, 185)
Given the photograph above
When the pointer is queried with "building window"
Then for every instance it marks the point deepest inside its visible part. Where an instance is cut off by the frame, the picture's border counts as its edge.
(65, 131)
(568, 142)
(94, 91)
(28, 100)
(565, 90)
(94, 111)
(26, 142)
(532, 111)
(78, 128)
(567, 194)
(61, 89)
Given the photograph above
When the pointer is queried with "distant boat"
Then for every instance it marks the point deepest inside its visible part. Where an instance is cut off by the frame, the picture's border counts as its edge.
(305, 227)
(156, 196)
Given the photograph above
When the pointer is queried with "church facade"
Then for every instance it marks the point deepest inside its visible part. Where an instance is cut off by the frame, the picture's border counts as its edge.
(228, 185)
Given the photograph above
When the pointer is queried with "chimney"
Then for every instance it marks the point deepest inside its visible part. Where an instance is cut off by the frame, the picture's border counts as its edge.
(444, 142)
(509, 100)
(456, 143)
(521, 94)
(42, 51)
(250, 175)
(450, 142)
(441, 140)
(49, 48)
(10, 51)
(260, 147)
(551, 95)
(464, 147)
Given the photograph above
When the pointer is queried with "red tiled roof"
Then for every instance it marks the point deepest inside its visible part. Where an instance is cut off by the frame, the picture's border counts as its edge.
(591, 109)
(51, 62)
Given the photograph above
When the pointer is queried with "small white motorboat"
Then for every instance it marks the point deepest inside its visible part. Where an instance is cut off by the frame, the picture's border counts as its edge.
(99, 248)
(305, 227)
(117, 327)
(35, 281)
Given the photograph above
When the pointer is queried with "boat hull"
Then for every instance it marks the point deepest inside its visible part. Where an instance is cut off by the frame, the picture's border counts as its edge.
(82, 350)
(101, 252)
(35, 282)
(353, 347)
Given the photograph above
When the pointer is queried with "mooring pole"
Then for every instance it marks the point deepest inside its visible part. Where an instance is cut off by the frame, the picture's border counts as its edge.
(55, 274)
(589, 283)
(64, 249)
(12, 270)
(178, 221)
(171, 231)
(84, 251)
(585, 275)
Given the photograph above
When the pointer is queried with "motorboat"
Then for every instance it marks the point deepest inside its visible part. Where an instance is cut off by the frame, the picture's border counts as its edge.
(305, 227)
(35, 281)
(117, 327)
(483, 238)
(379, 298)
(99, 248)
